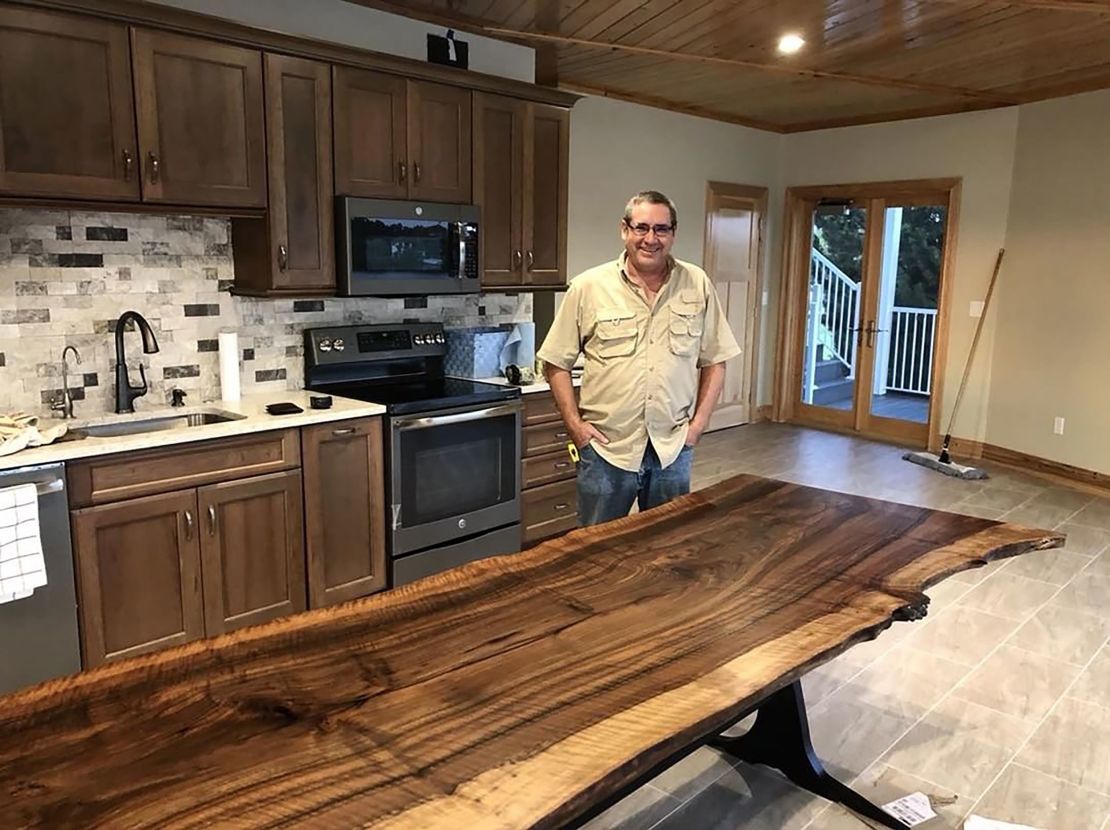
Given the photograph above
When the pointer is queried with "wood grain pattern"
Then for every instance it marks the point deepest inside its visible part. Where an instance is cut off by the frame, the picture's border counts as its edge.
(512, 692)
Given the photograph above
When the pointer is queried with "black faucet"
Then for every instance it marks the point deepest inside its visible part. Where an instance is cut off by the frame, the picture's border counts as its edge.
(125, 392)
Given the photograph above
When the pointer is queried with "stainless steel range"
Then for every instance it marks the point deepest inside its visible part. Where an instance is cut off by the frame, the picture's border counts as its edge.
(452, 447)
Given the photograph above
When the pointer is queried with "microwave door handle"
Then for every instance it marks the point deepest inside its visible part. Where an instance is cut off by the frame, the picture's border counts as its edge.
(461, 272)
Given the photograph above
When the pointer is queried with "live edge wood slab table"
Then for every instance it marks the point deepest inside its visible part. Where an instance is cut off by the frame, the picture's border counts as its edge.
(516, 692)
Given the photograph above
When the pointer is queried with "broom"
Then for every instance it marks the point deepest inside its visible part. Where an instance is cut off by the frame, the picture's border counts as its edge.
(943, 463)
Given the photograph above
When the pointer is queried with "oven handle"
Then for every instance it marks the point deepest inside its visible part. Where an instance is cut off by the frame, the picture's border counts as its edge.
(402, 424)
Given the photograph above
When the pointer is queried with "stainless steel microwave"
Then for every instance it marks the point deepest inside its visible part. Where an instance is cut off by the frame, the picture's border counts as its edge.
(390, 248)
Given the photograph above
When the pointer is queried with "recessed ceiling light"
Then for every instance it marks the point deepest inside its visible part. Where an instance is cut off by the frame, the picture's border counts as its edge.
(789, 44)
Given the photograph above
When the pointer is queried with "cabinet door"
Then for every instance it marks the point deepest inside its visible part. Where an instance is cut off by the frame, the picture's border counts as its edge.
(252, 547)
(439, 142)
(298, 134)
(370, 153)
(499, 186)
(200, 120)
(138, 576)
(547, 153)
(344, 510)
(67, 119)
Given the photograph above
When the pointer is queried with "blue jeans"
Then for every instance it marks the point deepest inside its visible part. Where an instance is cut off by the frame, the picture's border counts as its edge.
(606, 492)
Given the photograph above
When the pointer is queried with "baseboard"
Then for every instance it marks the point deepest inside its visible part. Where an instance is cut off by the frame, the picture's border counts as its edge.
(1046, 466)
(959, 447)
(763, 413)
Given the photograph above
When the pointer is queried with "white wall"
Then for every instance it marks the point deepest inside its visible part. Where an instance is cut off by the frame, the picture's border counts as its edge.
(1052, 348)
(979, 147)
(353, 25)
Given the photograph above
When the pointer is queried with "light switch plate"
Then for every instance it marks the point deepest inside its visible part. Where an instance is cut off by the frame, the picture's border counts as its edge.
(976, 308)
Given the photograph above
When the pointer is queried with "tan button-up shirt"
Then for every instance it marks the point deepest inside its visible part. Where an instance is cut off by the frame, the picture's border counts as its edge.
(642, 359)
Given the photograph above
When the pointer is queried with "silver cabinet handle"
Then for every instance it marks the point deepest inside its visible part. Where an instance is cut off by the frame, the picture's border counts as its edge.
(211, 520)
(531, 260)
(155, 167)
(561, 465)
(345, 431)
(128, 162)
(416, 170)
(283, 257)
(188, 524)
(402, 172)
(562, 434)
(562, 506)
(518, 259)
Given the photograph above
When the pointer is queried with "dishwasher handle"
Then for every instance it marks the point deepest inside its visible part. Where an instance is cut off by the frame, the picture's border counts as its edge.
(45, 488)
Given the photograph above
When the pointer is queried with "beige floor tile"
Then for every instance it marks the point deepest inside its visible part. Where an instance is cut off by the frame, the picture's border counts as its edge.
(962, 635)
(1088, 592)
(1007, 595)
(1038, 515)
(993, 513)
(1095, 514)
(1056, 566)
(849, 734)
(748, 797)
(998, 498)
(1093, 685)
(881, 784)
(693, 773)
(960, 745)
(1101, 564)
(945, 593)
(1025, 796)
(1064, 497)
(1082, 539)
(908, 682)
(822, 681)
(1018, 683)
(1063, 634)
(1072, 744)
(641, 810)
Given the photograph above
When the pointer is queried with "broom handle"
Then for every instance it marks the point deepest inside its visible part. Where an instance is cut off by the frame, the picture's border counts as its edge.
(975, 341)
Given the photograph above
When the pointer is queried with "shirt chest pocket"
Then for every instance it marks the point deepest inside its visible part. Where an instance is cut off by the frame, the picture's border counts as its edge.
(686, 324)
(616, 332)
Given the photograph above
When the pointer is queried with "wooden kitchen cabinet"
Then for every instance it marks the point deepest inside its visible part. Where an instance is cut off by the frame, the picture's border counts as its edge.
(344, 510)
(292, 249)
(521, 155)
(67, 119)
(400, 139)
(252, 551)
(138, 576)
(549, 488)
(200, 120)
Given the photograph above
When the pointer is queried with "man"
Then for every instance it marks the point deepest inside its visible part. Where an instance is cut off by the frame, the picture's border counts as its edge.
(655, 340)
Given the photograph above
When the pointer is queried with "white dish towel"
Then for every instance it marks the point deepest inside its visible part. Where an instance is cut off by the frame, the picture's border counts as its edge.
(22, 566)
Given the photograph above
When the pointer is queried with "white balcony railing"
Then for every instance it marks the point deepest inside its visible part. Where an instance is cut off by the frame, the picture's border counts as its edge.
(840, 297)
(912, 333)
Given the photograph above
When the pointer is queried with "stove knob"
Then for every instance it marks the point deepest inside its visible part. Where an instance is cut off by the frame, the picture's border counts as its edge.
(337, 344)
(418, 340)
(325, 345)
(440, 338)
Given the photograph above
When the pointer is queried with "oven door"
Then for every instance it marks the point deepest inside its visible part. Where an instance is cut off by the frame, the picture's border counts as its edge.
(453, 474)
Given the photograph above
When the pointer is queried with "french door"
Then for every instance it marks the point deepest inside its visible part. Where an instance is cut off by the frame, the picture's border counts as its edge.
(865, 326)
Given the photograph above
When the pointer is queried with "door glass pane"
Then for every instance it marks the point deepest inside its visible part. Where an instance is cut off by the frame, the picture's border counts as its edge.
(906, 318)
(833, 308)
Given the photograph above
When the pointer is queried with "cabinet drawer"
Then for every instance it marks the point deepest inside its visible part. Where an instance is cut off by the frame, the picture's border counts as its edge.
(145, 472)
(539, 408)
(549, 510)
(545, 469)
(545, 438)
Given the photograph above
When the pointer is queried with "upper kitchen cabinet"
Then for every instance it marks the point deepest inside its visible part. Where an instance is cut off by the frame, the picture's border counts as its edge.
(67, 123)
(521, 152)
(291, 250)
(200, 119)
(400, 139)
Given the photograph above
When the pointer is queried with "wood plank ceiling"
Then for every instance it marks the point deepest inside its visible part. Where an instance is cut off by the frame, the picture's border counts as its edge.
(863, 61)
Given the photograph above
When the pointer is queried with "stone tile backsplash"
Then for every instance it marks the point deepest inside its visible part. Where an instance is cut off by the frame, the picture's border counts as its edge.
(65, 276)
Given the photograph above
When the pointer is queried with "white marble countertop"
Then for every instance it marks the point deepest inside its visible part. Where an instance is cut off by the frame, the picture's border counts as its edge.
(252, 407)
(526, 389)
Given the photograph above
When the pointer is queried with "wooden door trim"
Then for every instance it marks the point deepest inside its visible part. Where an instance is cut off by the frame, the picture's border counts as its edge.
(793, 277)
(759, 195)
(870, 278)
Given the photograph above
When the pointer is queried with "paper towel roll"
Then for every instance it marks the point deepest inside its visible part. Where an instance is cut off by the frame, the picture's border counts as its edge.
(229, 365)
(520, 348)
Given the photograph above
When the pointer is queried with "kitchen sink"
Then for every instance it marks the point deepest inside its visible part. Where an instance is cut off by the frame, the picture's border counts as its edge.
(165, 422)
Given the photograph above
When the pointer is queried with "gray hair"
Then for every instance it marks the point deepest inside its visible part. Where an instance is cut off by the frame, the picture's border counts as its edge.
(651, 197)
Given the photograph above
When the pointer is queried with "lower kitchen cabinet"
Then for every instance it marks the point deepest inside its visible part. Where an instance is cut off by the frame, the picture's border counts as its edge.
(549, 494)
(344, 510)
(138, 576)
(252, 551)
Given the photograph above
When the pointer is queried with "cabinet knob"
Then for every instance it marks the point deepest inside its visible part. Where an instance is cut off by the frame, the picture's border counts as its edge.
(402, 172)
(155, 168)
(283, 257)
(416, 170)
(128, 163)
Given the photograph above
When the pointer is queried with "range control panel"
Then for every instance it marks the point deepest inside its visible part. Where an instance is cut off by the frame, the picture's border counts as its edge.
(356, 344)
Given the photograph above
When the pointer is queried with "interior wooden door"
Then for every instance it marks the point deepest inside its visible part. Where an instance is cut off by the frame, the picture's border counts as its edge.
(67, 117)
(138, 576)
(733, 259)
(200, 117)
(546, 177)
(371, 156)
(298, 135)
(252, 548)
(439, 142)
(499, 137)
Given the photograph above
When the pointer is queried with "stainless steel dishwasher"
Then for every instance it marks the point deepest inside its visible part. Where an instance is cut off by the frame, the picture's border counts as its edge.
(38, 635)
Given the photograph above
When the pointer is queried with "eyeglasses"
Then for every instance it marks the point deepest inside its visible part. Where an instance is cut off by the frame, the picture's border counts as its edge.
(642, 229)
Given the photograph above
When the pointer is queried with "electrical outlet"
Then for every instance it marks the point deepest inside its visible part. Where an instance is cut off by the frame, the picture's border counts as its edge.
(976, 309)
(1058, 426)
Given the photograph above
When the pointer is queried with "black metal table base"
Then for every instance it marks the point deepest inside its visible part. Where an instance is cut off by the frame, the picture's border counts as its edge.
(779, 738)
